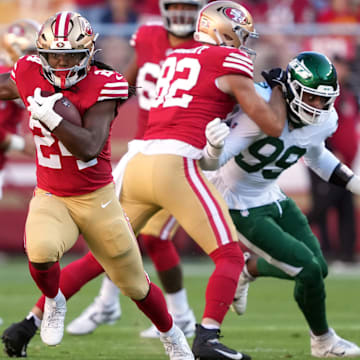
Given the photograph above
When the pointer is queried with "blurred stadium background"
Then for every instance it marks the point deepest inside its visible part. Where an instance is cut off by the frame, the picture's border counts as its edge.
(286, 27)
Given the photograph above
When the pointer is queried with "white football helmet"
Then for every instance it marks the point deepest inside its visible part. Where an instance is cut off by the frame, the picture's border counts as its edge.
(181, 23)
(19, 39)
(225, 23)
(66, 32)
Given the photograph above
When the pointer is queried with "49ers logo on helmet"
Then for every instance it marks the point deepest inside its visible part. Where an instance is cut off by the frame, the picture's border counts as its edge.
(17, 30)
(87, 27)
(236, 15)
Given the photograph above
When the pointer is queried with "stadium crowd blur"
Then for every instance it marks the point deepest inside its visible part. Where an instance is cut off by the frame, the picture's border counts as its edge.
(286, 27)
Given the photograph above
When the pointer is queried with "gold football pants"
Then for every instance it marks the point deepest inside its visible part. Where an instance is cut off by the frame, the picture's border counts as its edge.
(161, 225)
(54, 224)
(176, 184)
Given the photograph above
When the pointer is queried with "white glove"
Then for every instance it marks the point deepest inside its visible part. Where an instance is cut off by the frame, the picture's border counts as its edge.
(354, 185)
(216, 132)
(42, 108)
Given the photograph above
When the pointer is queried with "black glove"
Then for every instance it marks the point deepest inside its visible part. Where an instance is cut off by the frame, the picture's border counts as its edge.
(274, 77)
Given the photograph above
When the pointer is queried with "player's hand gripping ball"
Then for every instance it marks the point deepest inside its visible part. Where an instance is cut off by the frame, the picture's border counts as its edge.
(51, 108)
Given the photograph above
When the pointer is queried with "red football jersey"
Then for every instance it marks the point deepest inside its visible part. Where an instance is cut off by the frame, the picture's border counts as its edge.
(187, 94)
(151, 45)
(11, 113)
(58, 171)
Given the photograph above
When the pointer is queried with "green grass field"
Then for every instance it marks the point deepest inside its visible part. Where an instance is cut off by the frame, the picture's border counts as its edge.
(272, 327)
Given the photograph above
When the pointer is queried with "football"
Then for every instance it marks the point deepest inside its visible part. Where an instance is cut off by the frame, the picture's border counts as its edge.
(66, 109)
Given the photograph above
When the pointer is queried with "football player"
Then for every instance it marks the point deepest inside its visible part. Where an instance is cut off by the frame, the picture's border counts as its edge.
(152, 42)
(74, 180)
(270, 223)
(16, 41)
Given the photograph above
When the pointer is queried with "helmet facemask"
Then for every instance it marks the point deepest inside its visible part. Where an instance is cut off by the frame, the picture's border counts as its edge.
(245, 36)
(308, 114)
(66, 77)
(180, 23)
(67, 34)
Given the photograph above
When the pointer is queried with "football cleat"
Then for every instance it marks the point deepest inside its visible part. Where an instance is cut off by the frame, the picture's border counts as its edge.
(17, 337)
(330, 345)
(175, 345)
(52, 324)
(186, 323)
(94, 315)
(241, 293)
(206, 346)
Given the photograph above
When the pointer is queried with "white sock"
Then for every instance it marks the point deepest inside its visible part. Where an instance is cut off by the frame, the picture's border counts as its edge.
(109, 292)
(169, 333)
(210, 327)
(59, 296)
(177, 302)
(37, 321)
(323, 337)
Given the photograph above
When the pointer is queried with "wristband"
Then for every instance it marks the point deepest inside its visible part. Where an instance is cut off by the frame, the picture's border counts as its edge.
(354, 185)
(341, 175)
(16, 143)
(53, 121)
(213, 151)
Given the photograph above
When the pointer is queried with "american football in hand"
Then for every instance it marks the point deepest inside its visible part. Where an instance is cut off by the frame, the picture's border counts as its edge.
(66, 109)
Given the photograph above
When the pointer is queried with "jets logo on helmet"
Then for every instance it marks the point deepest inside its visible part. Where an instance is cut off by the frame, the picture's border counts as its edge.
(311, 73)
(300, 68)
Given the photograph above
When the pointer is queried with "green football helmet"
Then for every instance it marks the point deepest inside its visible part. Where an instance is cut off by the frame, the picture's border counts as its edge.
(313, 73)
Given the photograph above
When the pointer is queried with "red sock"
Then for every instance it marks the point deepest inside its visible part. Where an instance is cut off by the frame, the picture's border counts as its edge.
(154, 307)
(221, 287)
(47, 280)
(162, 252)
(75, 275)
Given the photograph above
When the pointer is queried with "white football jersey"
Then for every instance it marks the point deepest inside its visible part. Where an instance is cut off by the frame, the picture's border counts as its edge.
(253, 161)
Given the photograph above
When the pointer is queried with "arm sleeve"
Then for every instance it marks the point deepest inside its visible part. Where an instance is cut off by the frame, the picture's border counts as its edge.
(322, 161)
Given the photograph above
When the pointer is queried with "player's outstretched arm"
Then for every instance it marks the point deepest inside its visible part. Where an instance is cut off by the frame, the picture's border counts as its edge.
(326, 165)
